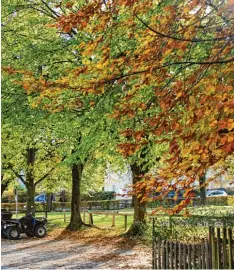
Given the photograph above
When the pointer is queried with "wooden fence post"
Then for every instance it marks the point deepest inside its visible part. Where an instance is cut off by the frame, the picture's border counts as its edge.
(167, 255)
(171, 255)
(230, 248)
(189, 257)
(176, 256)
(113, 220)
(193, 256)
(84, 216)
(125, 222)
(218, 248)
(207, 256)
(155, 254)
(90, 218)
(199, 256)
(153, 245)
(159, 254)
(203, 257)
(184, 257)
(180, 256)
(213, 253)
(224, 248)
(64, 215)
(163, 255)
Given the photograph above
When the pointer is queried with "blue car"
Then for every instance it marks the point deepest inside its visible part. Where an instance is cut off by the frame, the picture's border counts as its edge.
(43, 198)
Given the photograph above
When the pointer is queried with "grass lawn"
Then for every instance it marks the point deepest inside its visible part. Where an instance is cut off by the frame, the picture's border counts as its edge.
(104, 221)
(56, 220)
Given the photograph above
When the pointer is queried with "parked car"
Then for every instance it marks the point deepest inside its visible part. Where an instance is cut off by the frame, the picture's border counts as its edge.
(43, 198)
(213, 193)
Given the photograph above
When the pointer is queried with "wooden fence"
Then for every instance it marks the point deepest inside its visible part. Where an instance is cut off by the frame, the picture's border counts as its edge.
(217, 252)
(91, 220)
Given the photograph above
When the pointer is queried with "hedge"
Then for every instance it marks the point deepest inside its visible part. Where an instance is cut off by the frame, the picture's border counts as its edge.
(119, 204)
(21, 206)
(219, 201)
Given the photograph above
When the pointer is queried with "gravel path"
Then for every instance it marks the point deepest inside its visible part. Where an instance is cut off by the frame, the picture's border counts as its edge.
(72, 253)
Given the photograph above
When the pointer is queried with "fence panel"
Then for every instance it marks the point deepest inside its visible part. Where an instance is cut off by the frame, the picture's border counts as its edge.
(215, 253)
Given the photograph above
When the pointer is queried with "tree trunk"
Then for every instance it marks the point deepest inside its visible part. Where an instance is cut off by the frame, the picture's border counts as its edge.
(76, 221)
(30, 183)
(49, 201)
(139, 224)
(202, 188)
(30, 208)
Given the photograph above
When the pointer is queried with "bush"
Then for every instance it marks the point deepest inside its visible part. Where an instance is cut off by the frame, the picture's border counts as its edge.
(222, 200)
(230, 200)
(219, 201)
(59, 206)
(230, 191)
(9, 196)
(98, 196)
(22, 206)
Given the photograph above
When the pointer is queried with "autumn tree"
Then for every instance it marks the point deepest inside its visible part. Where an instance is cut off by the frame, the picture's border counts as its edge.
(170, 63)
(175, 63)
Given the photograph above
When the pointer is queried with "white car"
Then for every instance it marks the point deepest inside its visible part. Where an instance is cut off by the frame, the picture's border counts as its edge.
(213, 193)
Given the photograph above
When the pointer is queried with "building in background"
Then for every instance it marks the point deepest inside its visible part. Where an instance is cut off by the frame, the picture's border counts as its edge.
(224, 181)
(118, 181)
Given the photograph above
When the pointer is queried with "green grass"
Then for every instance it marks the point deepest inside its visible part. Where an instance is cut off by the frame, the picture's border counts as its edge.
(56, 220)
(212, 210)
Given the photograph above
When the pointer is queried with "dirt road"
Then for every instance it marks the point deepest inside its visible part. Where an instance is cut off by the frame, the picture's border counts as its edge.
(75, 251)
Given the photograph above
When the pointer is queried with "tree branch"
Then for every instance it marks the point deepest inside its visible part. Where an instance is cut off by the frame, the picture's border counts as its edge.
(215, 62)
(43, 177)
(183, 39)
(50, 9)
(47, 174)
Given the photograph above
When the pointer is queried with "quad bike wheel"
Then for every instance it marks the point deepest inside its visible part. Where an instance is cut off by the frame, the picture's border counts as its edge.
(40, 231)
(4, 234)
(13, 233)
(30, 234)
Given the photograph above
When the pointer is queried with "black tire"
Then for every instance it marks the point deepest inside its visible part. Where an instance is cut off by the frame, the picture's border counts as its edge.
(13, 233)
(4, 234)
(30, 234)
(40, 231)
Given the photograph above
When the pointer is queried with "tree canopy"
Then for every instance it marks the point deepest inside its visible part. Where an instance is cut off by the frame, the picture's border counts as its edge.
(157, 74)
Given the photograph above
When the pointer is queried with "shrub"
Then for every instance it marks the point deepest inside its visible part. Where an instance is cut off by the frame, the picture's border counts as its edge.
(219, 201)
(230, 200)
(59, 206)
(230, 191)
(98, 196)
(21, 206)
(9, 196)
(222, 200)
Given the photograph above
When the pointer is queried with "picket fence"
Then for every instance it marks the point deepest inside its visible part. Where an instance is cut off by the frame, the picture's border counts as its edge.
(216, 252)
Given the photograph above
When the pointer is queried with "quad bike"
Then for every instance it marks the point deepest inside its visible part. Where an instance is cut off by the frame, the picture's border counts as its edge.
(31, 226)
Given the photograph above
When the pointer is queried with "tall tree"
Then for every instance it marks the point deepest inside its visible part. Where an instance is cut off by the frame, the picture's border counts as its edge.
(175, 63)
(172, 74)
